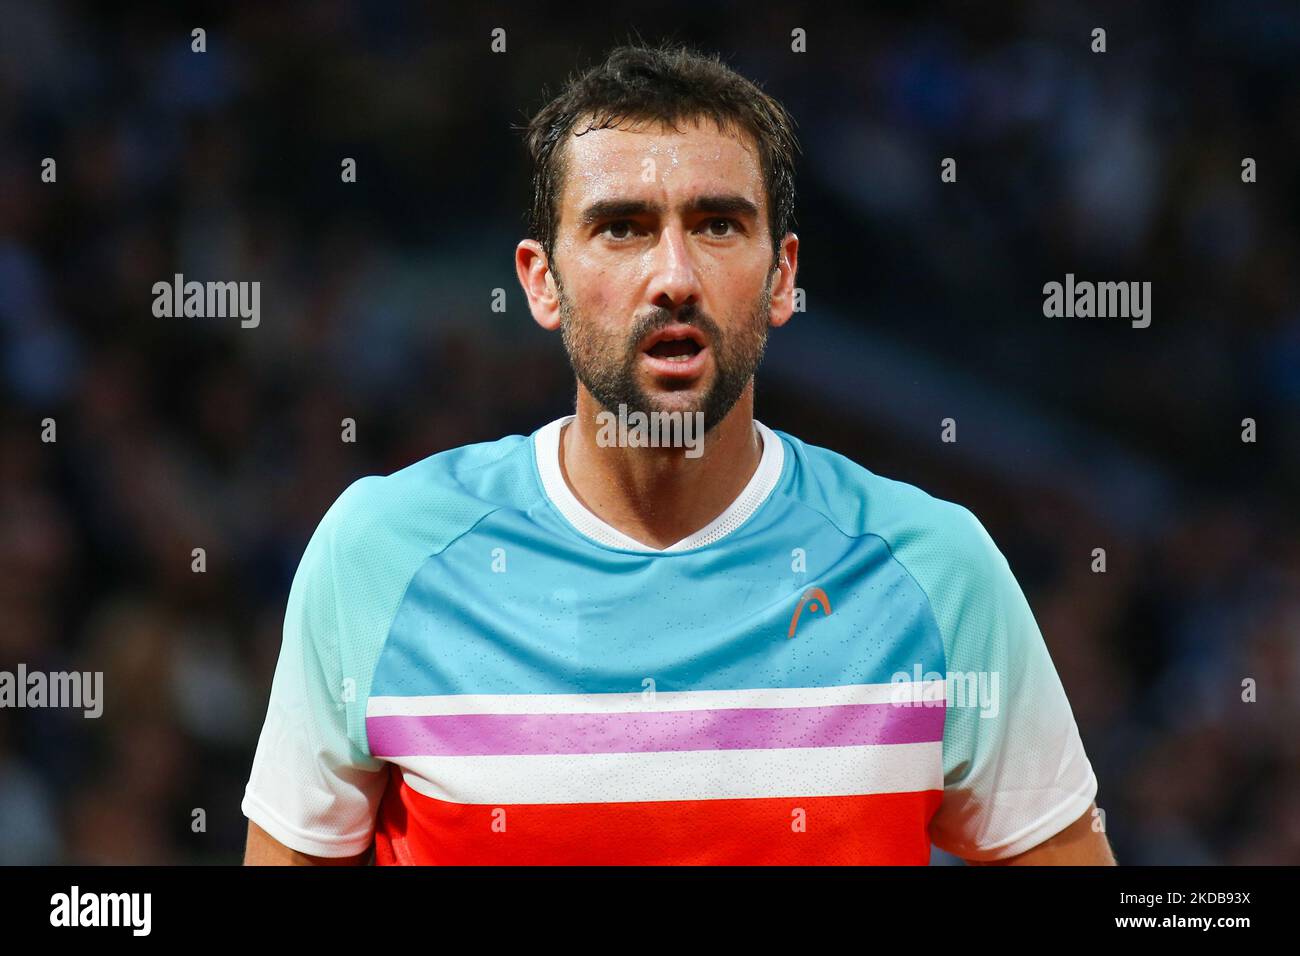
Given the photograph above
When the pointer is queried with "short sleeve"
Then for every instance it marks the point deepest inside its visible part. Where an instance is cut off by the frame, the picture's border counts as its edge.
(313, 787)
(1015, 771)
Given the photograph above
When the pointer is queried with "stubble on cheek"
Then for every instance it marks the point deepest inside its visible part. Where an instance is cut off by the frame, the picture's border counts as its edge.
(605, 361)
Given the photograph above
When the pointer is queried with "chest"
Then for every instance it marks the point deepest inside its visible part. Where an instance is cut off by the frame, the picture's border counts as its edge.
(735, 708)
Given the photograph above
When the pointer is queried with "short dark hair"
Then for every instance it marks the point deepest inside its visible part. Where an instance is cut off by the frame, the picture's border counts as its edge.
(665, 84)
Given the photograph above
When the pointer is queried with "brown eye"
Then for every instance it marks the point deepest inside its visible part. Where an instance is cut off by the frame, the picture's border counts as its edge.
(623, 226)
(714, 223)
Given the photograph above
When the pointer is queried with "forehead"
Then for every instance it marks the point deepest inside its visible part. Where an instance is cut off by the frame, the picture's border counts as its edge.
(649, 158)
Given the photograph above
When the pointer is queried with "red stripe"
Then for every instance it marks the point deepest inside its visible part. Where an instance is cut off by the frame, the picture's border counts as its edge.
(888, 829)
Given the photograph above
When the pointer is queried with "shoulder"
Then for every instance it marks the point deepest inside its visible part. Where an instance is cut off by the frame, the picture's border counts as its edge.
(429, 503)
(375, 537)
(941, 545)
(917, 526)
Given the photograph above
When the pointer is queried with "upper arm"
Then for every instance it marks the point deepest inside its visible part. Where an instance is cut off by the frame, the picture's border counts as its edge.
(265, 850)
(1016, 776)
(314, 788)
(1082, 843)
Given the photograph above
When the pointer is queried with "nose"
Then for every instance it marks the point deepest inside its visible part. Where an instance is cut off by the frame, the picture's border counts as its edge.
(674, 280)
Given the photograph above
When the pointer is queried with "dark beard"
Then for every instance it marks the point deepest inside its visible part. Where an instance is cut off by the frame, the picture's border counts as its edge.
(608, 371)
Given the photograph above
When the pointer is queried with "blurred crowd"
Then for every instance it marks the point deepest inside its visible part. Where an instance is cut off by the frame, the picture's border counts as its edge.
(175, 434)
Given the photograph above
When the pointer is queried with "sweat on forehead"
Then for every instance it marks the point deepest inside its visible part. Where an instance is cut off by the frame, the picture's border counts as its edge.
(601, 158)
(589, 125)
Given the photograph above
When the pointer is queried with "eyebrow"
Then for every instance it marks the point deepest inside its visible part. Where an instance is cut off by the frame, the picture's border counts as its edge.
(720, 205)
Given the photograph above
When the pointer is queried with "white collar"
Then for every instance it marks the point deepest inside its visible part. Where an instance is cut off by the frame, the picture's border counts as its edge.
(547, 450)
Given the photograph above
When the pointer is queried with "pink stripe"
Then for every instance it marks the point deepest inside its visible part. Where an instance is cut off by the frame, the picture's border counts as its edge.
(844, 725)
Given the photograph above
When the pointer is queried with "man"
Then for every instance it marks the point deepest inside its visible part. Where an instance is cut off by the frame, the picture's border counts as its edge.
(609, 643)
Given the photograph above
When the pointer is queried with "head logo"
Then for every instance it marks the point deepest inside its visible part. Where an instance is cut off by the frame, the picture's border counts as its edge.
(816, 599)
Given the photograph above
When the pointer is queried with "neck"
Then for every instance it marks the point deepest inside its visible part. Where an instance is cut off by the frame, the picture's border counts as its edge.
(658, 496)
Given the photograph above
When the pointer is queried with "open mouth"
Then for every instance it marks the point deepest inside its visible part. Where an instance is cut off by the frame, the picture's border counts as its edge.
(677, 350)
(675, 344)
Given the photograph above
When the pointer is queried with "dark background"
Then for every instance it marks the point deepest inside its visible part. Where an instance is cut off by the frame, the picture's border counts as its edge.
(924, 302)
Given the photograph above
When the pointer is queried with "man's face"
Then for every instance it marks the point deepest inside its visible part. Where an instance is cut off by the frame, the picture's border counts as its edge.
(663, 263)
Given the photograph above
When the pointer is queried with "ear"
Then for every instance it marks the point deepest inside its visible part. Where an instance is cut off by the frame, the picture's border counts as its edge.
(782, 279)
(534, 271)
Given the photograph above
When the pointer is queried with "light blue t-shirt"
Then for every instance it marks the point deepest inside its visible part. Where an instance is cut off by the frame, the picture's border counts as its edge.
(840, 668)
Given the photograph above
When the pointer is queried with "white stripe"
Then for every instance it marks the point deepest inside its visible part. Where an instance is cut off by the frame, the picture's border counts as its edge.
(659, 701)
(678, 775)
